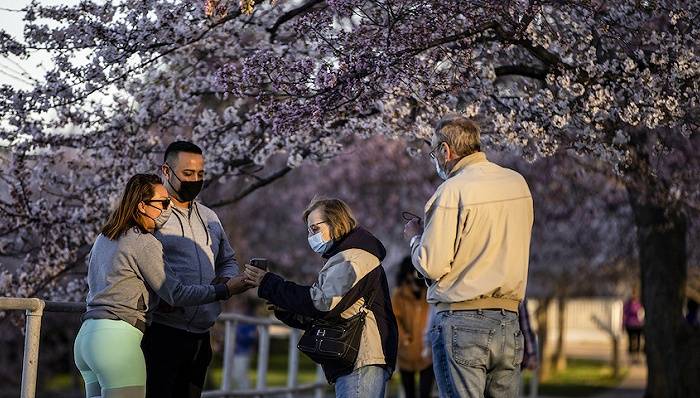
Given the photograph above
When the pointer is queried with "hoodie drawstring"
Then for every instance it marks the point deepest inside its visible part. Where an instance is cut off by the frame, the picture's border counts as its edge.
(206, 230)
(182, 228)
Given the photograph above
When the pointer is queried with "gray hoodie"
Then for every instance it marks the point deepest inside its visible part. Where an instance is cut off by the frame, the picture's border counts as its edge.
(126, 276)
(197, 248)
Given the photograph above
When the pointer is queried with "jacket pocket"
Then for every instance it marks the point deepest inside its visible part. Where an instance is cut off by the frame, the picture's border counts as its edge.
(470, 346)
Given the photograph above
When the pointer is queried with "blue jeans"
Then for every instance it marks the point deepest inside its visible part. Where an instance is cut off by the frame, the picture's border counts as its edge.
(477, 353)
(365, 382)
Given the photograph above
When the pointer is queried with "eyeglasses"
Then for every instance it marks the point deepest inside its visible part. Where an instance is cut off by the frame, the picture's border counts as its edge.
(165, 203)
(313, 228)
(432, 152)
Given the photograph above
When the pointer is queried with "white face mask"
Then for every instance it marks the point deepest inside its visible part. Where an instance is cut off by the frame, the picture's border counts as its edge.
(440, 171)
(318, 244)
(162, 217)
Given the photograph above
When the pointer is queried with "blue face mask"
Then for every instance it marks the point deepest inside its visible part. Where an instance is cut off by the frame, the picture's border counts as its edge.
(440, 171)
(318, 244)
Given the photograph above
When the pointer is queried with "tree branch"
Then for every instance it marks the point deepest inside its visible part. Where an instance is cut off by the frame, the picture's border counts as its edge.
(289, 15)
(81, 253)
(252, 187)
(521, 70)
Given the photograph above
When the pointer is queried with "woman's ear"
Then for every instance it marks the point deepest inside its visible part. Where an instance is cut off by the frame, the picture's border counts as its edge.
(330, 232)
(142, 207)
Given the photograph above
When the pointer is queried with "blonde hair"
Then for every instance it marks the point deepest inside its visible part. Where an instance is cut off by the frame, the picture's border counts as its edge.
(460, 133)
(338, 215)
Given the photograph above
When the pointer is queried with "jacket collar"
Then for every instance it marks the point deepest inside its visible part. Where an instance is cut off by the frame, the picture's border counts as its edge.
(358, 238)
(474, 158)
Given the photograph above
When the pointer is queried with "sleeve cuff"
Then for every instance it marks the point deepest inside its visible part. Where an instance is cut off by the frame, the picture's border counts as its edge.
(414, 239)
(221, 291)
(266, 285)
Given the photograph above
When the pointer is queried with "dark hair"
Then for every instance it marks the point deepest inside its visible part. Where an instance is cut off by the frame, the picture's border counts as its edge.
(338, 215)
(405, 272)
(176, 147)
(139, 188)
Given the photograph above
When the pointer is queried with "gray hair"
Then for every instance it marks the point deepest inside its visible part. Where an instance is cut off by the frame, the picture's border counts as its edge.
(460, 133)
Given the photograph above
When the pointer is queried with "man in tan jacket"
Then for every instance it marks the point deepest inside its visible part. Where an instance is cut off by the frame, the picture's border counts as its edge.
(474, 248)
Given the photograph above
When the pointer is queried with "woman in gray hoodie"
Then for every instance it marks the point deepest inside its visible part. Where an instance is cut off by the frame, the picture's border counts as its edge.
(126, 278)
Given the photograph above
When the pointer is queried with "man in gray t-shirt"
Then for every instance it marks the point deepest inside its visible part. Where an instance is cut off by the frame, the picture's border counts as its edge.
(176, 344)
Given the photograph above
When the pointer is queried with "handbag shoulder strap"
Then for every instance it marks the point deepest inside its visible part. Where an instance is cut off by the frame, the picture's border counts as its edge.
(345, 303)
(367, 304)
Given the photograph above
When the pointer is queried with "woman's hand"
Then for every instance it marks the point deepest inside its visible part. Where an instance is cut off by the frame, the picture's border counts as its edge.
(238, 284)
(254, 275)
(272, 307)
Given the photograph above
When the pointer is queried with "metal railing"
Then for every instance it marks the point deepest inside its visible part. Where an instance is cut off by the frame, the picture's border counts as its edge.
(231, 321)
(34, 309)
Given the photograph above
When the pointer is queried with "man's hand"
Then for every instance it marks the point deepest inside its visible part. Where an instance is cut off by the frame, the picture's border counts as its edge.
(412, 228)
(254, 275)
(427, 352)
(530, 362)
(238, 284)
(219, 280)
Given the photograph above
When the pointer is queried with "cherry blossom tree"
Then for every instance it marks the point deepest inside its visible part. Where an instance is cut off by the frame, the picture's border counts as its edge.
(613, 82)
(583, 244)
(377, 177)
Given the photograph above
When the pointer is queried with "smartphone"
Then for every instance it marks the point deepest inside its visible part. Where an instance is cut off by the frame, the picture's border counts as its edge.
(259, 262)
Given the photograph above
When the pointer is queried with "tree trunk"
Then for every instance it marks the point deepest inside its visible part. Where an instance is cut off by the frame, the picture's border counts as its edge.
(672, 347)
(542, 314)
(560, 351)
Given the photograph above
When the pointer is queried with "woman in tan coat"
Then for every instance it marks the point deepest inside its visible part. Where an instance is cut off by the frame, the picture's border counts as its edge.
(412, 313)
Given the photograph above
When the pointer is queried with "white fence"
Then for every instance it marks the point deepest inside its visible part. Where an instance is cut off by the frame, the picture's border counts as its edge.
(588, 320)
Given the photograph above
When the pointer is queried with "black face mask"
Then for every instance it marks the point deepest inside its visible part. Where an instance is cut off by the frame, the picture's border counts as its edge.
(188, 189)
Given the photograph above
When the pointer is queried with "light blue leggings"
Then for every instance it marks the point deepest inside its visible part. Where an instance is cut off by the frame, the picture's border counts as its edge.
(109, 357)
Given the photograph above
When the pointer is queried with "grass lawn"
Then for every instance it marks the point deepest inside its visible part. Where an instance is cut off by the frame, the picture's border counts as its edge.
(277, 369)
(582, 378)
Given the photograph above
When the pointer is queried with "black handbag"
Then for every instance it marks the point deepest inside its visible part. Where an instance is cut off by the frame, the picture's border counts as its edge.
(335, 341)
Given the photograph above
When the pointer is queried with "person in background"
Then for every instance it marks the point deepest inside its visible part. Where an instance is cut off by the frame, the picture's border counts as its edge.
(246, 337)
(691, 315)
(412, 312)
(633, 322)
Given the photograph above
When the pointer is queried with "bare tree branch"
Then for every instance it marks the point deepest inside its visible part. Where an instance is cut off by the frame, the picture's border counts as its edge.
(253, 187)
(521, 70)
(289, 15)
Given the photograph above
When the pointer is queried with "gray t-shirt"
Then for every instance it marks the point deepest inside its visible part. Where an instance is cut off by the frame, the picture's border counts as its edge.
(126, 276)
